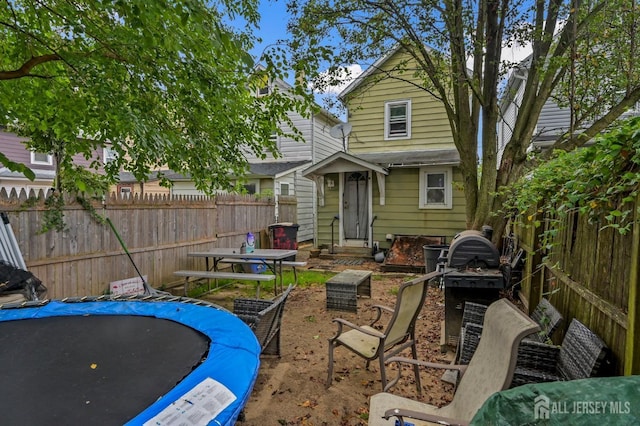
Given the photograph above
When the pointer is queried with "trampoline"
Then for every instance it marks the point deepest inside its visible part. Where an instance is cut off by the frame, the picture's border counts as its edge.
(145, 360)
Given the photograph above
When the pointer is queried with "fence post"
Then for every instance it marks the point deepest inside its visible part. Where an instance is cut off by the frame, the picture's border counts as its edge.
(632, 344)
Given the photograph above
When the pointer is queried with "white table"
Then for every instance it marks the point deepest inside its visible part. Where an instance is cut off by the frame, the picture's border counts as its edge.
(272, 258)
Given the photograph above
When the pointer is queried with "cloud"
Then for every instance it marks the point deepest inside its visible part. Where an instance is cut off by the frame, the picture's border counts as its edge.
(334, 82)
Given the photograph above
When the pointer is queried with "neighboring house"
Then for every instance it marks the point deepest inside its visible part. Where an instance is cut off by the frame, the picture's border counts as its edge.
(283, 176)
(399, 172)
(42, 164)
(128, 185)
(553, 122)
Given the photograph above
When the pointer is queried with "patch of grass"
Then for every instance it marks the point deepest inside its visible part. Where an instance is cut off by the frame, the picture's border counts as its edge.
(306, 278)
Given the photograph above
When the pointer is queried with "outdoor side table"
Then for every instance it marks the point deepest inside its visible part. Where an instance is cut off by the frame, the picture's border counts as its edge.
(344, 288)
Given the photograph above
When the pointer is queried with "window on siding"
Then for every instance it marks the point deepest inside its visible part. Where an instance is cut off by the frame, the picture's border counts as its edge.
(109, 155)
(264, 90)
(273, 138)
(397, 120)
(435, 188)
(125, 191)
(285, 189)
(41, 158)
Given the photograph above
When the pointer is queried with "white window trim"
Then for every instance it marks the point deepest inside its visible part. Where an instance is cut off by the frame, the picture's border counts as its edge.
(387, 107)
(49, 161)
(289, 186)
(105, 155)
(448, 188)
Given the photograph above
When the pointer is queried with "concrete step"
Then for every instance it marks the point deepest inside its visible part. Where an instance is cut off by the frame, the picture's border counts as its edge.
(346, 252)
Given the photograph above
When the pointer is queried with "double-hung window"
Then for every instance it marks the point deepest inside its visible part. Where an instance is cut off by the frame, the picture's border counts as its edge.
(397, 120)
(109, 155)
(285, 188)
(435, 188)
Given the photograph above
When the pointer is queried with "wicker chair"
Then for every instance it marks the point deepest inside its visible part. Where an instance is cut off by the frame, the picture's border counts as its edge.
(549, 319)
(545, 315)
(264, 317)
(582, 355)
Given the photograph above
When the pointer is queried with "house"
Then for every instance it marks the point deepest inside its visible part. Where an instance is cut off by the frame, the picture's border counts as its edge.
(42, 164)
(399, 174)
(282, 176)
(553, 122)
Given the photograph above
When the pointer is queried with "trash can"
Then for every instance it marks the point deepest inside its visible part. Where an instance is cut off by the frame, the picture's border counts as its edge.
(284, 236)
(431, 255)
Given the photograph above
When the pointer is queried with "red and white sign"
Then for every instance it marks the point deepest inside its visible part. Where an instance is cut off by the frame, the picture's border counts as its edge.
(126, 287)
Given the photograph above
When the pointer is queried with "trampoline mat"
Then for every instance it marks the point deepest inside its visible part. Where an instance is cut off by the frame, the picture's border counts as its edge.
(98, 370)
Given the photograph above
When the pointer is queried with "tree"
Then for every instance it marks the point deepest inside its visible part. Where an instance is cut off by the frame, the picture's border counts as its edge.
(167, 83)
(583, 56)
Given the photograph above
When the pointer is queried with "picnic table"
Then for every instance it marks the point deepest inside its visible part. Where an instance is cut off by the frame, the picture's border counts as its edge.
(272, 258)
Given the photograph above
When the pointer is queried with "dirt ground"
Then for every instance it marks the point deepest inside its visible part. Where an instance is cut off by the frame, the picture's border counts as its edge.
(290, 390)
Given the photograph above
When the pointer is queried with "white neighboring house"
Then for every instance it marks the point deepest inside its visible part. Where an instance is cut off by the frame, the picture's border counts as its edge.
(553, 121)
(283, 176)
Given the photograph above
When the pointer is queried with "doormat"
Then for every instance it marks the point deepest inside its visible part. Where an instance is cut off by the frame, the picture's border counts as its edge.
(348, 262)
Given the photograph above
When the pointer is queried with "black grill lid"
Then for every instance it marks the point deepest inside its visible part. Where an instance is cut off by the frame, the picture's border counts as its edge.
(471, 249)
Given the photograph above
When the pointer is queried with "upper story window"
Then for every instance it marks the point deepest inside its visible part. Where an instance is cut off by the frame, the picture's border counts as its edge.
(41, 158)
(109, 155)
(264, 90)
(273, 138)
(285, 188)
(435, 188)
(397, 120)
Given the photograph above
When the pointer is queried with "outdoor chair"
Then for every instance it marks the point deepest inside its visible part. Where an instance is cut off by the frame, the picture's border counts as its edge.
(545, 315)
(490, 370)
(372, 342)
(581, 355)
(264, 317)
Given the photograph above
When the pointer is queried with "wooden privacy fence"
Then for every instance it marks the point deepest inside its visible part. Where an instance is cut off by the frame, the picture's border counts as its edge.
(158, 232)
(588, 272)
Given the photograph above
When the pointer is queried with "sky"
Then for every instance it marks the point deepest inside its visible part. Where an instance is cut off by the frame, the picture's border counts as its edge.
(273, 27)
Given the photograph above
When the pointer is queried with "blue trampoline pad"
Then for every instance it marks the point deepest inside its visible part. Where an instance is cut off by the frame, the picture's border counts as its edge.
(114, 362)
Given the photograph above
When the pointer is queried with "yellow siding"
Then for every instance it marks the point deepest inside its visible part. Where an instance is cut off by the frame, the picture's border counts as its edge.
(400, 215)
(430, 127)
(328, 211)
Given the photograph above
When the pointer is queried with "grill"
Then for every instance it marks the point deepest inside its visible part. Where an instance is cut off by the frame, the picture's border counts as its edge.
(472, 273)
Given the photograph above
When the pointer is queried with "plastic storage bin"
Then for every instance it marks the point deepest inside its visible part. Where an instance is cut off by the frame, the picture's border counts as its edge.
(284, 236)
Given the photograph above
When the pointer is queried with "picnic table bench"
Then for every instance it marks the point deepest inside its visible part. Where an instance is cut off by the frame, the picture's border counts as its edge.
(285, 263)
(218, 275)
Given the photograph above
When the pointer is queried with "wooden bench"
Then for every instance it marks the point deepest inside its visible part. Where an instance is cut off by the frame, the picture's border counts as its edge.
(264, 317)
(285, 263)
(344, 288)
(217, 275)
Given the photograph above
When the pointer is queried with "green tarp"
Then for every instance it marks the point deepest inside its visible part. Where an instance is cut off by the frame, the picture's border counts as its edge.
(597, 401)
